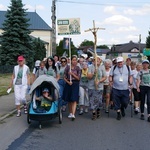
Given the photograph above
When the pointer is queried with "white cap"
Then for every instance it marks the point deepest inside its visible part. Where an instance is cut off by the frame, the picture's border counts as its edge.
(119, 59)
(145, 61)
(37, 63)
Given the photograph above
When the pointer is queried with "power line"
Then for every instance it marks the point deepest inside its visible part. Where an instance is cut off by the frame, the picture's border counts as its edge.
(121, 4)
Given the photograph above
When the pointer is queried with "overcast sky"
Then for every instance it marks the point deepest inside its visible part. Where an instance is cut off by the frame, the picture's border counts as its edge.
(123, 21)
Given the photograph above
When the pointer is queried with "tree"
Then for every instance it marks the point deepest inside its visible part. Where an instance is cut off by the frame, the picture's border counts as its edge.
(148, 43)
(60, 50)
(87, 43)
(103, 47)
(15, 39)
(39, 49)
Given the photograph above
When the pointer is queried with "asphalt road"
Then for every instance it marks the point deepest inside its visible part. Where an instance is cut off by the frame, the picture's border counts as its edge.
(105, 133)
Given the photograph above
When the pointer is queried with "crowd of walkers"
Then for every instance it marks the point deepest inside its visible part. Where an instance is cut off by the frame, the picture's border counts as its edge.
(89, 84)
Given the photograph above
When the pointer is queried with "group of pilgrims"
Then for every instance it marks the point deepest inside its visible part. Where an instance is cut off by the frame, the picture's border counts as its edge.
(87, 84)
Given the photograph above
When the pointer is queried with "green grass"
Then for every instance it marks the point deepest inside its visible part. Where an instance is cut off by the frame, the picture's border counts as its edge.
(4, 83)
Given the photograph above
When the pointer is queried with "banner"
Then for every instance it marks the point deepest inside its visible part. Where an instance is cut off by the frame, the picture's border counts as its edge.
(66, 43)
(69, 26)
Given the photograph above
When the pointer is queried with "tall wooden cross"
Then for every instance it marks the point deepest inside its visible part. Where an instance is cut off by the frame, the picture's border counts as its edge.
(94, 31)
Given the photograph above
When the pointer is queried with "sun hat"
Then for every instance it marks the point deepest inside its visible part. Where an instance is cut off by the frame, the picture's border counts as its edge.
(145, 61)
(20, 58)
(119, 59)
(45, 90)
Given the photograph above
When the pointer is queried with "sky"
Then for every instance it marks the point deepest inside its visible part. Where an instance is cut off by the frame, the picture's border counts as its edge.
(123, 20)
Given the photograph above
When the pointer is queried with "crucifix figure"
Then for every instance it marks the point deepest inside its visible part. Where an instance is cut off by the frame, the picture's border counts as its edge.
(94, 31)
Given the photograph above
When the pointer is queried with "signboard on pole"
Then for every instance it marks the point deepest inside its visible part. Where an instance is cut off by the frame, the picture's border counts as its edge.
(146, 51)
(69, 26)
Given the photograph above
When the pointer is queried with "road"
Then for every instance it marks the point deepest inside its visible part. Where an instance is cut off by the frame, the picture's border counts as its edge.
(105, 133)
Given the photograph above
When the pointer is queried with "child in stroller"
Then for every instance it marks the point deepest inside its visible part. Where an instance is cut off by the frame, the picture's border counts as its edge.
(45, 100)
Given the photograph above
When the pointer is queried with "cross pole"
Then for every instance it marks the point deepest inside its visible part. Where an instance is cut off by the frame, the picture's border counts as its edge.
(94, 31)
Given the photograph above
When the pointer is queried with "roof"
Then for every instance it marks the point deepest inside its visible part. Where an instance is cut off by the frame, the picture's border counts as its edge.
(127, 47)
(36, 22)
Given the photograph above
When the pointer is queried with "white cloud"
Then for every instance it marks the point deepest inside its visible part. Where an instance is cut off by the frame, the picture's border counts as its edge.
(118, 20)
(33, 8)
(125, 29)
(132, 37)
(144, 10)
(110, 9)
(40, 7)
(114, 40)
(2, 7)
(100, 40)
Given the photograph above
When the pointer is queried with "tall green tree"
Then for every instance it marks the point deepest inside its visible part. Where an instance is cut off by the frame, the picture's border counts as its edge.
(148, 43)
(15, 39)
(39, 49)
(60, 51)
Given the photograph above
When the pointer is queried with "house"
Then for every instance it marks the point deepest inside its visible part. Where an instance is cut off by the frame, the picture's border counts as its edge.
(39, 28)
(89, 50)
(131, 49)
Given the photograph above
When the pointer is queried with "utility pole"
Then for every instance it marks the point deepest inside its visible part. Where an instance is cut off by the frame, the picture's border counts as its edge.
(53, 36)
(140, 48)
(94, 31)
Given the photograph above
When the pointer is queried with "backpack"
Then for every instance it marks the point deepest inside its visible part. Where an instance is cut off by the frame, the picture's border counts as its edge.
(127, 68)
(37, 69)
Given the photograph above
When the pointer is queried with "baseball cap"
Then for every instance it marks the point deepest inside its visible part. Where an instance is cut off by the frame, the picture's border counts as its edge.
(119, 59)
(37, 63)
(45, 90)
(20, 58)
(145, 61)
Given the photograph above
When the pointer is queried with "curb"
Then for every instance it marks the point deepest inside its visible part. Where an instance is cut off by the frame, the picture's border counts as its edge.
(7, 115)
(10, 113)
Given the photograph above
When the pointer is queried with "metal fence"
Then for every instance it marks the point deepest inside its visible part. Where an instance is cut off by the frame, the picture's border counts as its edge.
(6, 69)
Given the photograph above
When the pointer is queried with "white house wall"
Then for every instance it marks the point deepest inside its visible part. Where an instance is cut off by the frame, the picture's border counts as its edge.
(43, 35)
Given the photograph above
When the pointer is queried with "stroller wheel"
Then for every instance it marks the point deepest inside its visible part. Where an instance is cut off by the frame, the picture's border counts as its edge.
(28, 115)
(28, 119)
(40, 126)
(60, 116)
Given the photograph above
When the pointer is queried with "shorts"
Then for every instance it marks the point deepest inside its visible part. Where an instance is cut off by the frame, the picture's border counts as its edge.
(136, 94)
(107, 89)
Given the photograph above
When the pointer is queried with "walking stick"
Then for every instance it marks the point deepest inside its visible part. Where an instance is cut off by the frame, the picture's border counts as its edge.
(94, 31)
(131, 103)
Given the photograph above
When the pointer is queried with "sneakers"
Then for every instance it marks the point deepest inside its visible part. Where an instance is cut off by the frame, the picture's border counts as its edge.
(148, 119)
(107, 110)
(18, 113)
(73, 117)
(25, 109)
(81, 112)
(86, 110)
(142, 117)
(118, 116)
(70, 115)
(137, 110)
